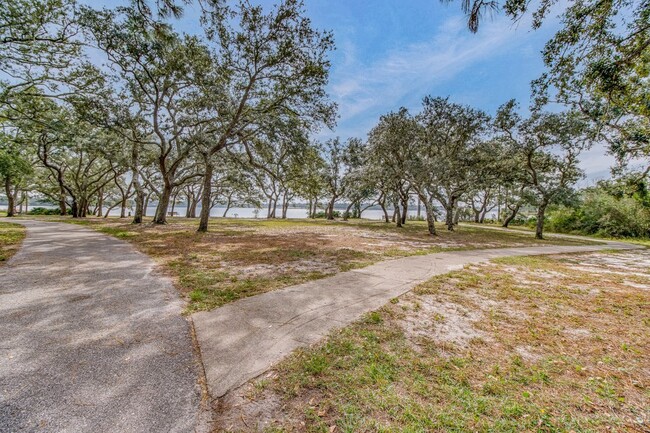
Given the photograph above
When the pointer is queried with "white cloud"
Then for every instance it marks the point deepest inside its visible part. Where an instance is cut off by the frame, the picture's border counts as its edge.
(362, 88)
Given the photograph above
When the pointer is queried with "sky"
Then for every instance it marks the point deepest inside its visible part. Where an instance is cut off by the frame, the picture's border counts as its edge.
(390, 54)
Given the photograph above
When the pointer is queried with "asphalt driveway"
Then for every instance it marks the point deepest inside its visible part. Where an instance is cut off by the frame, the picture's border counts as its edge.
(92, 339)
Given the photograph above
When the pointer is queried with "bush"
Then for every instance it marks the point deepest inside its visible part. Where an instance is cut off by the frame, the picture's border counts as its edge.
(531, 221)
(602, 214)
(44, 211)
(322, 214)
(416, 218)
(519, 220)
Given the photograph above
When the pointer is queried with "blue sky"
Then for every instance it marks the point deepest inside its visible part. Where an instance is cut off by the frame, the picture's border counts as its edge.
(392, 53)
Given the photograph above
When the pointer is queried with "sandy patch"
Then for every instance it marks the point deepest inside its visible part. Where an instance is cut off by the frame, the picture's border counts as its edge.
(441, 321)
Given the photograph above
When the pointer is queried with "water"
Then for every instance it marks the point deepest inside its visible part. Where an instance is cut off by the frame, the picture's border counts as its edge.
(249, 212)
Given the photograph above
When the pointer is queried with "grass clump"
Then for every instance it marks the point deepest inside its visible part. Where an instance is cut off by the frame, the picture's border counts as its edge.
(11, 237)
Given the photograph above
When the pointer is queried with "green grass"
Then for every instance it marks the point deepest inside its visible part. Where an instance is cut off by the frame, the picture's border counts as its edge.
(638, 241)
(11, 236)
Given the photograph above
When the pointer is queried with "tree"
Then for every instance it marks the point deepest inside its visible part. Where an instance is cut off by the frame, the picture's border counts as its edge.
(335, 172)
(492, 171)
(547, 146)
(75, 154)
(37, 47)
(447, 159)
(598, 63)
(357, 188)
(272, 69)
(392, 146)
(159, 74)
(276, 157)
(311, 182)
(14, 168)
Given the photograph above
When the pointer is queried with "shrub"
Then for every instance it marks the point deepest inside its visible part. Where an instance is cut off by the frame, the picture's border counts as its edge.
(416, 218)
(44, 211)
(322, 214)
(602, 214)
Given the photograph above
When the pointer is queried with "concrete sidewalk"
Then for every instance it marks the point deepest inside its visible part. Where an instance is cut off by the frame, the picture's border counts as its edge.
(241, 340)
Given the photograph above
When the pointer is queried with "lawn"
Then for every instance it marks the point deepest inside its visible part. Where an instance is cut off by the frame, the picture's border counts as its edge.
(239, 257)
(635, 240)
(536, 344)
(11, 236)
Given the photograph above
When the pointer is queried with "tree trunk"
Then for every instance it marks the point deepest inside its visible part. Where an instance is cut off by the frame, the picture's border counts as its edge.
(188, 204)
(512, 216)
(110, 208)
(125, 197)
(63, 207)
(431, 219)
(139, 207)
(205, 198)
(163, 204)
(74, 208)
(140, 204)
(382, 204)
(285, 205)
(405, 208)
(397, 215)
(330, 208)
(82, 209)
(274, 208)
(10, 198)
(449, 217)
(228, 203)
(539, 229)
(100, 202)
(346, 214)
(146, 204)
(174, 203)
(313, 215)
(195, 203)
(268, 208)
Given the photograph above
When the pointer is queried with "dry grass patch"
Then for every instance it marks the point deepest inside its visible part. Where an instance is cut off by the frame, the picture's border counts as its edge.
(239, 257)
(11, 236)
(537, 344)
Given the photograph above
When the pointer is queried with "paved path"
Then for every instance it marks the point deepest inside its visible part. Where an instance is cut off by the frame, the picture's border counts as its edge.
(244, 339)
(91, 340)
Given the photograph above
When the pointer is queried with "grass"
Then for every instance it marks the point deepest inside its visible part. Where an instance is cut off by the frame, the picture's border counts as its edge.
(239, 257)
(11, 236)
(639, 241)
(536, 344)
